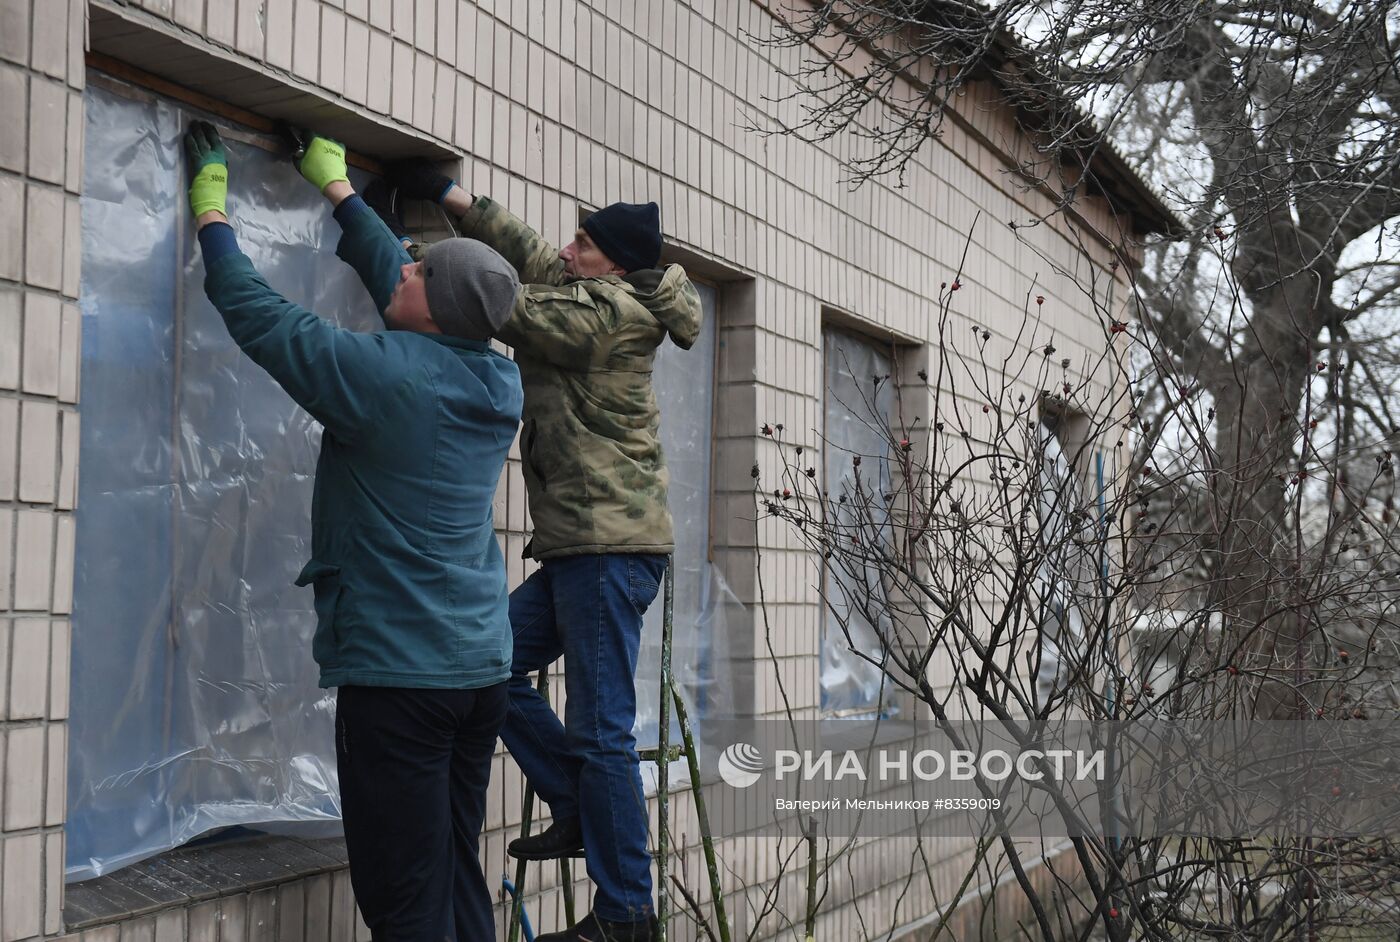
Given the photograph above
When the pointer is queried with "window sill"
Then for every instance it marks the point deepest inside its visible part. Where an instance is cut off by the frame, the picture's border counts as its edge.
(176, 879)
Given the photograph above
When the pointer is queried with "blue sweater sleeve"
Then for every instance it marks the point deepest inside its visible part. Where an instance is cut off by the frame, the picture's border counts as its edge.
(368, 246)
(337, 375)
(216, 240)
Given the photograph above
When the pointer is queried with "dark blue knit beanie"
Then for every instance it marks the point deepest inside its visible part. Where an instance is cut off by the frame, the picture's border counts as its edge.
(628, 233)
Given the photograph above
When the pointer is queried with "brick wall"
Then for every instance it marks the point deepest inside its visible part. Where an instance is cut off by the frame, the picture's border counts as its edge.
(557, 104)
(41, 113)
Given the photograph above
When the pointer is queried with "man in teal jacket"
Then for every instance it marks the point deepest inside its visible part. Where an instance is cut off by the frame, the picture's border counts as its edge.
(410, 585)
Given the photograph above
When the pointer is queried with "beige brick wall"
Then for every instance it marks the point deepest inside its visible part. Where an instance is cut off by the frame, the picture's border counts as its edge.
(557, 104)
(41, 111)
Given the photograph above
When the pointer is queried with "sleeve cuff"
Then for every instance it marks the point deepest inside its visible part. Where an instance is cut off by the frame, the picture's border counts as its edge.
(350, 206)
(216, 240)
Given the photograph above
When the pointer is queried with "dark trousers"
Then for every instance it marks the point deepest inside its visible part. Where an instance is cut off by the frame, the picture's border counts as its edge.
(414, 765)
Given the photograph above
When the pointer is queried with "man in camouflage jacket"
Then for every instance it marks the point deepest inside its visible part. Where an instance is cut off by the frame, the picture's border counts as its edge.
(585, 329)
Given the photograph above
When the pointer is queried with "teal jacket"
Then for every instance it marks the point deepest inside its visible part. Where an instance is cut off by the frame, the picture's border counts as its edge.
(409, 581)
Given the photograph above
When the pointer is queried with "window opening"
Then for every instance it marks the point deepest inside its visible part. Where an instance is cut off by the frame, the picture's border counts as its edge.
(858, 414)
(684, 383)
(195, 705)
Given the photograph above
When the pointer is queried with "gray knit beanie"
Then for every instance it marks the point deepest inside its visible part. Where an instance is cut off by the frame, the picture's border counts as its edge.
(471, 289)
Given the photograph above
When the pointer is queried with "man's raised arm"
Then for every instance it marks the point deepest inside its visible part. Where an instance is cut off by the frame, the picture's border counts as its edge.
(366, 243)
(333, 374)
(534, 259)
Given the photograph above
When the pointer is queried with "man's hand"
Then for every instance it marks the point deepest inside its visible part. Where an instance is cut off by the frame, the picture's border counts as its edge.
(209, 165)
(420, 179)
(324, 163)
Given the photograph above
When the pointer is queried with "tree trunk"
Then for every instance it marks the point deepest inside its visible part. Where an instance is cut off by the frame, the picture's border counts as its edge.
(1258, 406)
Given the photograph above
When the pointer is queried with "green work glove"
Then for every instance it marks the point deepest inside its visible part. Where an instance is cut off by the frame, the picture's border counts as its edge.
(209, 162)
(324, 162)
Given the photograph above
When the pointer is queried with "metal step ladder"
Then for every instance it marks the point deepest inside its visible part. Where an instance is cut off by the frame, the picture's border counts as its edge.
(663, 755)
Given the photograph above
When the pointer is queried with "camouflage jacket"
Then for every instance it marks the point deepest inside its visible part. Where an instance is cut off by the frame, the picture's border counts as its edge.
(594, 472)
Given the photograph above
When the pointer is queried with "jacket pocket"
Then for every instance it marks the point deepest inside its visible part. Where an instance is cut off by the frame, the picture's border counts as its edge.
(324, 578)
(477, 616)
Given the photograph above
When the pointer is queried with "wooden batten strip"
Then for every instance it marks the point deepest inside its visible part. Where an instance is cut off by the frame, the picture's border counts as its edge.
(162, 86)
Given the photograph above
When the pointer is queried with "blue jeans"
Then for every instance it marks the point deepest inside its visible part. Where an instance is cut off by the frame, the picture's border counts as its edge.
(588, 608)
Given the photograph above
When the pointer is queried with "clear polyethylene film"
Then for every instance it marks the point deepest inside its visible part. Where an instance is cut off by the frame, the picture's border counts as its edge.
(195, 704)
(684, 381)
(858, 412)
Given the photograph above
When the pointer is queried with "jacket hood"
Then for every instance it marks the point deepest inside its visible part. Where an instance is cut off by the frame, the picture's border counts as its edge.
(669, 296)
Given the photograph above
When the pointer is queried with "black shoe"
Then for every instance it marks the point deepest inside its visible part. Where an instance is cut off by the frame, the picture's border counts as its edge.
(593, 929)
(560, 839)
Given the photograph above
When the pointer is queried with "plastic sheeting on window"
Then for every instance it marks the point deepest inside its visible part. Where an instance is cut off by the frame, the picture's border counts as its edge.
(858, 421)
(194, 702)
(1065, 572)
(684, 381)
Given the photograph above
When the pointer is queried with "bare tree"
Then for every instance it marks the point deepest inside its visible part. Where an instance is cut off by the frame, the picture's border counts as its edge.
(1016, 562)
(1276, 129)
(1000, 536)
(1241, 557)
